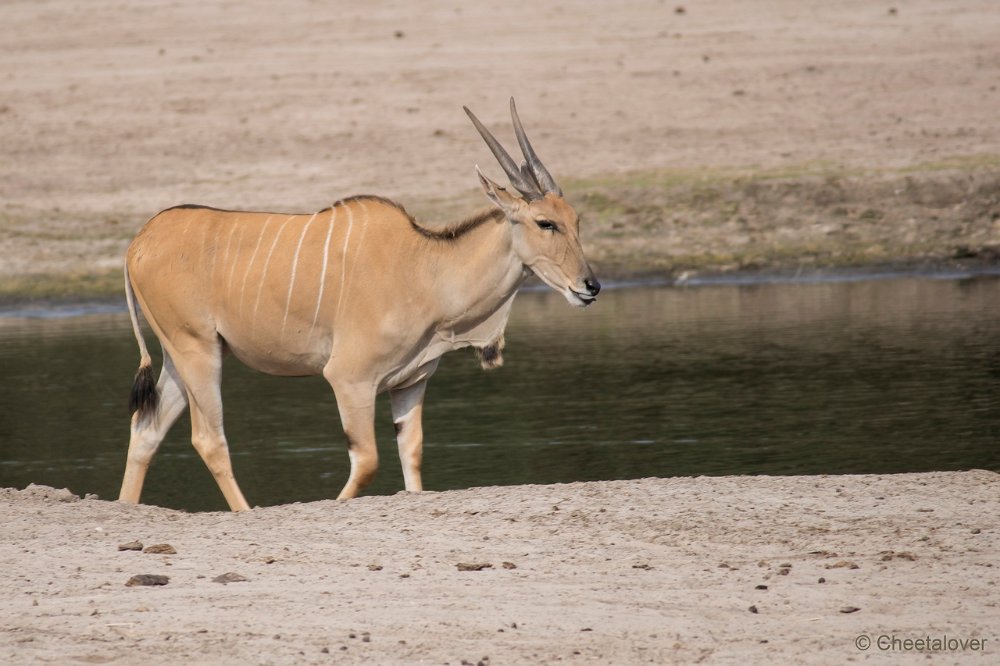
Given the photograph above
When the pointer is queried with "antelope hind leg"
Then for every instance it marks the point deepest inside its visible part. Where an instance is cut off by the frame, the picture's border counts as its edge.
(201, 370)
(147, 434)
(209, 440)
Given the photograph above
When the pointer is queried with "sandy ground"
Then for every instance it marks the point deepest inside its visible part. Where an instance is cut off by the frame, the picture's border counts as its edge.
(646, 571)
(111, 111)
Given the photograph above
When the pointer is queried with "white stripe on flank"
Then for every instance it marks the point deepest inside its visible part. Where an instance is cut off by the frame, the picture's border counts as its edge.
(232, 269)
(214, 251)
(322, 277)
(357, 247)
(250, 265)
(205, 250)
(184, 235)
(295, 265)
(263, 275)
(229, 241)
(343, 260)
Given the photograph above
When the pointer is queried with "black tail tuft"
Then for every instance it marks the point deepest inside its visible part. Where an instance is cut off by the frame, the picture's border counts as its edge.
(143, 398)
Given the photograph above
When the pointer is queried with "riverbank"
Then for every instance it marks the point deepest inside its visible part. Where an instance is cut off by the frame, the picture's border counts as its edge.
(671, 226)
(61, 303)
(694, 140)
(725, 569)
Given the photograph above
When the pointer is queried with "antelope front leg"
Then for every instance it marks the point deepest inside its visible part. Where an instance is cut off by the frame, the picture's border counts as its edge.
(407, 414)
(356, 404)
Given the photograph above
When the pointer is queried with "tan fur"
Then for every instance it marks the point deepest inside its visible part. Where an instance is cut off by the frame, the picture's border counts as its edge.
(359, 293)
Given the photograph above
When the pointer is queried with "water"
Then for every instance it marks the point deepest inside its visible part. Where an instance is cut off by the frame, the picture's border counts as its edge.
(895, 375)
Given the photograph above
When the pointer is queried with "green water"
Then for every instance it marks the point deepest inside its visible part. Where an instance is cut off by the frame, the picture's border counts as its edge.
(893, 375)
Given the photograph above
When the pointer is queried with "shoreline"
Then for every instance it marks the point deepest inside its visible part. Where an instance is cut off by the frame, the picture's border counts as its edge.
(759, 569)
(20, 307)
(685, 226)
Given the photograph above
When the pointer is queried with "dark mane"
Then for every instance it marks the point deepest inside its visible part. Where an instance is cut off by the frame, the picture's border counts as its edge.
(339, 202)
(370, 197)
(444, 233)
(454, 231)
(222, 210)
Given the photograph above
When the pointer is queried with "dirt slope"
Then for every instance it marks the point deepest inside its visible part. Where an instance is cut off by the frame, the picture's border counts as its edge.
(111, 111)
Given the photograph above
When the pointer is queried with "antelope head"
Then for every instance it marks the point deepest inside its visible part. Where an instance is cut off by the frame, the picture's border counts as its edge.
(546, 229)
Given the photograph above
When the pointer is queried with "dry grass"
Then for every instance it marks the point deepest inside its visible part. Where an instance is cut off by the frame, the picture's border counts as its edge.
(816, 215)
(661, 223)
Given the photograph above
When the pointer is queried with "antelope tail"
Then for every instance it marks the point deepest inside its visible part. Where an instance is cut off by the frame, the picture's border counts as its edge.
(143, 397)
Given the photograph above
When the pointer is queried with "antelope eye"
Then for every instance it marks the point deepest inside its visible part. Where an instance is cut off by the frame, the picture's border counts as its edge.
(546, 225)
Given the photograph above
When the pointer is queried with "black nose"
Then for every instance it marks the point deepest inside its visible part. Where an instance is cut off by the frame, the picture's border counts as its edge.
(592, 285)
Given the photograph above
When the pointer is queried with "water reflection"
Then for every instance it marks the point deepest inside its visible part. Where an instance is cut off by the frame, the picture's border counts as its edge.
(882, 376)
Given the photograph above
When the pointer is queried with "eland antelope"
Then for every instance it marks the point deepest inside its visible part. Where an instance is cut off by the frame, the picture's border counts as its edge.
(359, 292)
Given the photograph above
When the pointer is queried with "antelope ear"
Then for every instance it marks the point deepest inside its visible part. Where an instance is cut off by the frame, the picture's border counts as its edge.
(503, 199)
